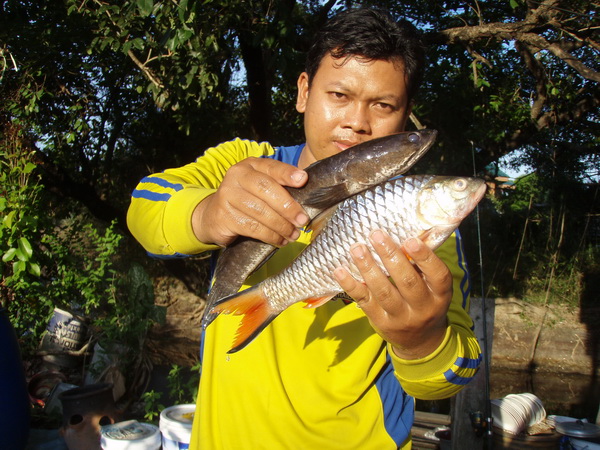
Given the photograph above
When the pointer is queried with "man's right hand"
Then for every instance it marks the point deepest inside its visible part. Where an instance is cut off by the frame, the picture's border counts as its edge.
(251, 201)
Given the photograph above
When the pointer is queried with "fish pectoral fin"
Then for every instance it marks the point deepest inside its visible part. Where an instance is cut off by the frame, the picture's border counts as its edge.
(254, 307)
(323, 197)
(317, 301)
(319, 222)
(435, 236)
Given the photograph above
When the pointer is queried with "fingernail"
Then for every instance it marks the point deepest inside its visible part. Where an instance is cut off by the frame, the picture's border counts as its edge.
(295, 235)
(339, 273)
(298, 176)
(377, 237)
(358, 251)
(412, 244)
(301, 219)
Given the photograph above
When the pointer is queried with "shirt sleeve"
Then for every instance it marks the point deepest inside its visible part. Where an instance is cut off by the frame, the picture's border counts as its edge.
(160, 213)
(456, 361)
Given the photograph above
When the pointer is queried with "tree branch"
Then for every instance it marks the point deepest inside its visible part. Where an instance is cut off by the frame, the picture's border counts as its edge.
(147, 72)
(541, 80)
(527, 32)
(557, 50)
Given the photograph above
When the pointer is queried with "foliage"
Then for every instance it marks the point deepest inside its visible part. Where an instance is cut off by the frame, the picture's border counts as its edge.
(21, 224)
(19, 205)
(89, 276)
(152, 407)
(543, 239)
(83, 274)
(182, 385)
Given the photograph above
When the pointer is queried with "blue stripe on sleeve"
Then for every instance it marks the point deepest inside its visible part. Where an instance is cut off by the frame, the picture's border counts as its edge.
(451, 377)
(149, 195)
(468, 363)
(463, 363)
(173, 256)
(162, 183)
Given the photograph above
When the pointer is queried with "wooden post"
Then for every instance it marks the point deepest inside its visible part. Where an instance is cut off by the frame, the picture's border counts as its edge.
(474, 396)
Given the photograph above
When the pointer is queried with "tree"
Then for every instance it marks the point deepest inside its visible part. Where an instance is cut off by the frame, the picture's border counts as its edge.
(104, 92)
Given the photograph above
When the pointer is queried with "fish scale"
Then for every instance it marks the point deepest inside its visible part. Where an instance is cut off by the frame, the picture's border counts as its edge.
(426, 206)
(389, 207)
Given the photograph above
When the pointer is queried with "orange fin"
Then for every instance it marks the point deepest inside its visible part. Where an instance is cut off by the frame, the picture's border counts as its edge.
(253, 306)
(317, 301)
(318, 223)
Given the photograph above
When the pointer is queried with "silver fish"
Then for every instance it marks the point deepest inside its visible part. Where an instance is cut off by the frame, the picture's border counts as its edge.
(425, 206)
(330, 181)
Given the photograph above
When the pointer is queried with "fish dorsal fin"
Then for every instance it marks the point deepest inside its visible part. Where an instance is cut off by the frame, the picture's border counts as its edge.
(324, 196)
(318, 223)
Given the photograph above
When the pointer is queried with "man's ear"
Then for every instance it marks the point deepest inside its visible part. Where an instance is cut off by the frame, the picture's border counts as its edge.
(302, 97)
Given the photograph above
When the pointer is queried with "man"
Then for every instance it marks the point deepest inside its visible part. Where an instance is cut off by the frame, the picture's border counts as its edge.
(342, 375)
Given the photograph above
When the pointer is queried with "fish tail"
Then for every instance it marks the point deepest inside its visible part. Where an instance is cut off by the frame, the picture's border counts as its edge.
(254, 307)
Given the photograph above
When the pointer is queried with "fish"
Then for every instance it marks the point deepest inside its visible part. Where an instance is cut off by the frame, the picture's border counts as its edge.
(330, 181)
(425, 206)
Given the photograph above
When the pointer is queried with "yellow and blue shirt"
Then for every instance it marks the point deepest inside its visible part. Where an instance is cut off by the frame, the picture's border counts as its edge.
(314, 378)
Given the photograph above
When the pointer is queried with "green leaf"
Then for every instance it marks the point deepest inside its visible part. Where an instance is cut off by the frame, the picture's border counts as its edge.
(25, 247)
(21, 256)
(18, 267)
(29, 167)
(8, 219)
(9, 255)
(145, 7)
(34, 269)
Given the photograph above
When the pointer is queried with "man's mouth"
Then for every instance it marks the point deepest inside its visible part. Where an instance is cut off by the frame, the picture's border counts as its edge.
(344, 145)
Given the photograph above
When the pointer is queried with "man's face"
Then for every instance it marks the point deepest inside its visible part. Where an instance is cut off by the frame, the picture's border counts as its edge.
(348, 102)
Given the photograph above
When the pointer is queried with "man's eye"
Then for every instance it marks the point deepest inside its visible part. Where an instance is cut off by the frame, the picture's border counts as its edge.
(337, 95)
(386, 106)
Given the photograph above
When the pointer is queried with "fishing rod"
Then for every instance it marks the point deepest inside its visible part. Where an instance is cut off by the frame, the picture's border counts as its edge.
(475, 418)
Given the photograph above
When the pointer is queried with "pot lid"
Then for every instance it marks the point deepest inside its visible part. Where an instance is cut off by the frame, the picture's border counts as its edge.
(578, 429)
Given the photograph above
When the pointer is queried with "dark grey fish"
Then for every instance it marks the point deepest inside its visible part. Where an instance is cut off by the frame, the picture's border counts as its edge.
(330, 181)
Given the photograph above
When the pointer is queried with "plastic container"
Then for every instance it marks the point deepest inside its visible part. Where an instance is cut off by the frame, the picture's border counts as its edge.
(130, 435)
(516, 412)
(65, 332)
(176, 426)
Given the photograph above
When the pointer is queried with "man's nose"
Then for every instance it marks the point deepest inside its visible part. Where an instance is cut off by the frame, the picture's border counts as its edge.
(357, 118)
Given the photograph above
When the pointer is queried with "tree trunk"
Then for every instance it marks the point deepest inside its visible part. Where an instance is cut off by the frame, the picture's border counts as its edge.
(259, 87)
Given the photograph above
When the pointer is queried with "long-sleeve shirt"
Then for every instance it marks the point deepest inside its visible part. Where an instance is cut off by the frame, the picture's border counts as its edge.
(314, 378)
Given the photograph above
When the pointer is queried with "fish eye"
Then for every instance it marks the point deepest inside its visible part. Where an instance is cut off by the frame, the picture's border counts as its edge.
(460, 184)
(413, 137)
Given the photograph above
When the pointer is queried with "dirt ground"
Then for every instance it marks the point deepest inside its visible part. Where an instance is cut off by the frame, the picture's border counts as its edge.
(556, 338)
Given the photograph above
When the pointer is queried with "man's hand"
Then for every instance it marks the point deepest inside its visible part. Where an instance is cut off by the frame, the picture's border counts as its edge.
(410, 311)
(251, 201)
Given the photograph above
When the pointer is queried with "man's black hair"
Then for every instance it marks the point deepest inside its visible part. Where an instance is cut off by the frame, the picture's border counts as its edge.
(374, 35)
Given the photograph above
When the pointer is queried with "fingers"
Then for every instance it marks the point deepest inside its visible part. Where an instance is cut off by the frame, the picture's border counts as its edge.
(416, 271)
(284, 174)
(269, 201)
(251, 201)
(435, 273)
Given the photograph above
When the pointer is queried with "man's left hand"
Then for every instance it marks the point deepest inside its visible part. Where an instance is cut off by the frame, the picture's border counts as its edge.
(408, 308)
